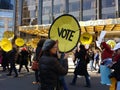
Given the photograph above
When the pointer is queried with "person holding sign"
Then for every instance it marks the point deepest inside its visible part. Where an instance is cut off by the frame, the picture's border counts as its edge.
(50, 68)
(116, 67)
(106, 59)
(81, 67)
(106, 54)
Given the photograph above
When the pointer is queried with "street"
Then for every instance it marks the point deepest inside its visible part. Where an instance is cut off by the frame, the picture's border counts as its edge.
(24, 82)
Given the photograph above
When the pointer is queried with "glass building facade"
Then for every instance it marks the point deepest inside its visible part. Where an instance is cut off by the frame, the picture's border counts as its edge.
(6, 16)
(45, 11)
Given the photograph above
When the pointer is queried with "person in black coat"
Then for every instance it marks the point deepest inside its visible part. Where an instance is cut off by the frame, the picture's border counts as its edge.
(50, 68)
(11, 56)
(24, 59)
(81, 67)
(38, 54)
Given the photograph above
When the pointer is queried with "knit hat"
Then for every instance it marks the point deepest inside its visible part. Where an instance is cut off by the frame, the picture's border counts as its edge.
(48, 44)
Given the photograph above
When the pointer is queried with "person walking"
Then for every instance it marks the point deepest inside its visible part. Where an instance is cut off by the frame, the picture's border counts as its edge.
(38, 54)
(81, 67)
(5, 63)
(91, 56)
(11, 56)
(50, 68)
(96, 59)
(24, 59)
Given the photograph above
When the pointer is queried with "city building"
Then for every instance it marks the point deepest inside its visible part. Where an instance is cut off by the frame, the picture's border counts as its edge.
(6, 16)
(37, 12)
(83, 10)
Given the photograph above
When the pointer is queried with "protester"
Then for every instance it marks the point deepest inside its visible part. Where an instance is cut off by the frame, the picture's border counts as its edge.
(50, 68)
(11, 56)
(116, 66)
(29, 56)
(38, 54)
(5, 63)
(97, 59)
(1, 55)
(24, 59)
(106, 59)
(106, 54)
(63, 85)
(91, 56)
(81, 67)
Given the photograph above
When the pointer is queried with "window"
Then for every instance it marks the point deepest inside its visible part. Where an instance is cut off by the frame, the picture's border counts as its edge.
(46, 21)
(46, 10)
(7, 4)
(74, 6)
(89, 4)
(110, 15)
(86, 18)
(108, 3)
(57, 9)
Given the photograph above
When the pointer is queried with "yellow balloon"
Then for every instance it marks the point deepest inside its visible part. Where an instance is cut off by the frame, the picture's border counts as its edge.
(6, 44)
(86, 38)
(19, 42)
(112, 43)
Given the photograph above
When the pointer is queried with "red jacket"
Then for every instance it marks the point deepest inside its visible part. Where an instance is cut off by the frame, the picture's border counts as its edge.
(107, 52)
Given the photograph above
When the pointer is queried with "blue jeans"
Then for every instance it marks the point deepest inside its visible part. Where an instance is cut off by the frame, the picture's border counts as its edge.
(64, 83)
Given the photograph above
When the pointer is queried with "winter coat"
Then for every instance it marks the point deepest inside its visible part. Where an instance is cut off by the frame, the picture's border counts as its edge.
(11, 55)
(107, 52)
(81, 68)
(116, 67)
(24, 57)
(50, 70)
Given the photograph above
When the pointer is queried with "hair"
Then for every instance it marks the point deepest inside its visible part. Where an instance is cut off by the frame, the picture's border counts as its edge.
(51, 44)
(41, 42)
(82, 48)
(39, 48)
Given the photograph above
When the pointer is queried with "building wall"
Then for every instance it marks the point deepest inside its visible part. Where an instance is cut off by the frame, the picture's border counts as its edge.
(81, 9)
(6, 16)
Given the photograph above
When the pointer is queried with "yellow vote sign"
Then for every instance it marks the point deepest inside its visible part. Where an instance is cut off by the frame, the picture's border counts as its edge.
(8, 34)
(112, 43)
(19, 42)
(6, 45)
(86, 38)
(66, 30)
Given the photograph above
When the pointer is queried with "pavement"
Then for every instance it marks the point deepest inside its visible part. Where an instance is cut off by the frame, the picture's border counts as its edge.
(24, 81)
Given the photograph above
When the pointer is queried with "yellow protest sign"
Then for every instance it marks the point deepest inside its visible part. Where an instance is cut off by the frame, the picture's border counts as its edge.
(19, 42)
(6, 44)
(86, 38)
(66, 30)
(112, 43)
(8, 34)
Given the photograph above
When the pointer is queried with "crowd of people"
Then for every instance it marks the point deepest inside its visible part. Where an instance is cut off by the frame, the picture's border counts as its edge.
(15, 56)
(53, 64)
